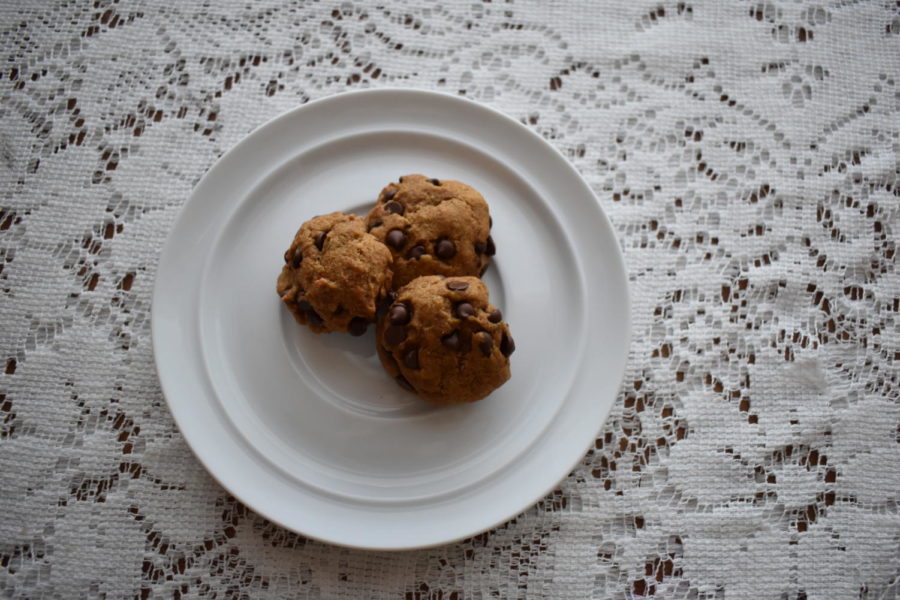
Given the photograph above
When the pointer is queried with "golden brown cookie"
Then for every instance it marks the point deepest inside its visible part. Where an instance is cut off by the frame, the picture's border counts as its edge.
(443, 340)
(335, 274)
(432, 227)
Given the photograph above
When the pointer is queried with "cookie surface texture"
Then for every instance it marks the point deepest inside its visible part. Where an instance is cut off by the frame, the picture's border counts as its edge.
(442, 339)
(432, 227)
(334, 274)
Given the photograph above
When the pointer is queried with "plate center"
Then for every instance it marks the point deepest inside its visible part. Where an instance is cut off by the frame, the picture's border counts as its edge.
(320, 407)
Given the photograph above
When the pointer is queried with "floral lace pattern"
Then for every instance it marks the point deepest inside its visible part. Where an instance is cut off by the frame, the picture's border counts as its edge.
(748, 155)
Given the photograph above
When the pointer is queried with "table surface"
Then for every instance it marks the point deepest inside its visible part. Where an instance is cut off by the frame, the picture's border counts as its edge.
(747, 154)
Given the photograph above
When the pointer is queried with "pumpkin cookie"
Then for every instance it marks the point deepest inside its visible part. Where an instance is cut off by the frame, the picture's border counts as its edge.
(335, 274)
(443, 340)
(432, 227)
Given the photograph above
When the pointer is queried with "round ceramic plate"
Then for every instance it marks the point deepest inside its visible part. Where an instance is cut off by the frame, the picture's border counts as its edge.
(306, 429)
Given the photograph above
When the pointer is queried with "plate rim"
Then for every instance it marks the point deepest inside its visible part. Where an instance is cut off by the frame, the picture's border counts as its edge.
(165, 258)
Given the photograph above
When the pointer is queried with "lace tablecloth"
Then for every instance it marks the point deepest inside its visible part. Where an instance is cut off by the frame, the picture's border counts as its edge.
(747, 153)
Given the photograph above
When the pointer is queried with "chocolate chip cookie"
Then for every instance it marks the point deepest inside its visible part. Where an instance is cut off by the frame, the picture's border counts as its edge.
(432, 227)
(443, 340)
(335, 274)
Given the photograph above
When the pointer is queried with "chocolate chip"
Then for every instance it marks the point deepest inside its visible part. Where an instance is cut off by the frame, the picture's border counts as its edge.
(395, 334)
(396, 239)
(384, 304)
(485, 342)
(400, 180)
(406, 385)
(464, 310)
(297, 259)
(339, 310)
(320, 240)
(445, 249)
(507, 345)
(490, 221)
(357, 326)
(490, 249)
(457, 286)
(496, 316)
(451, 340)
(416, 252)
(394, 207)
(314, 318)
(411, 359)
(388, 194)
(399, 314)
(306, 308)
(434, 181)
(480, 247)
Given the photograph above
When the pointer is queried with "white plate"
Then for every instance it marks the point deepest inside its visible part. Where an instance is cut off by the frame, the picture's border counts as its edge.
(306, 429)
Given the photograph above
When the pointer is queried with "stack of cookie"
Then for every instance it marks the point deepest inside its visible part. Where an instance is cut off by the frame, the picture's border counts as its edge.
(412, 267)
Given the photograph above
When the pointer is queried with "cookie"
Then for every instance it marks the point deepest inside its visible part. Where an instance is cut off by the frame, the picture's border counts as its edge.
(335, 274)
(433, 227)
(443, 340)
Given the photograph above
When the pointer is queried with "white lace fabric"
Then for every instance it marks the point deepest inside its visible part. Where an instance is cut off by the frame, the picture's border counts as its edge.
(747, 154)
